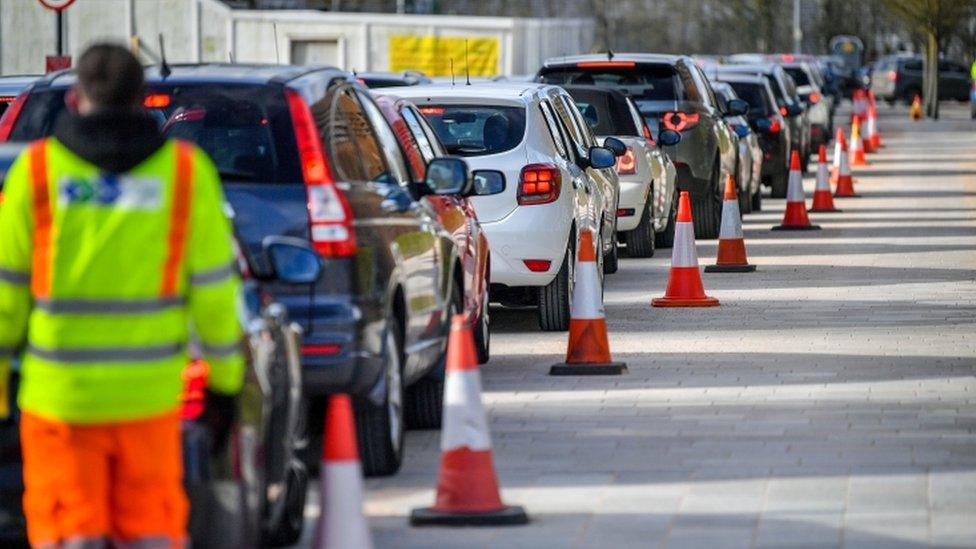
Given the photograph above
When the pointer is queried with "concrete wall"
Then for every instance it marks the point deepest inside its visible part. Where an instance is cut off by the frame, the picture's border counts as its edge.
(207, 30)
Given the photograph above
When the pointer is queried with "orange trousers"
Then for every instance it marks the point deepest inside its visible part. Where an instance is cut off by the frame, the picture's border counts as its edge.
(95, 485)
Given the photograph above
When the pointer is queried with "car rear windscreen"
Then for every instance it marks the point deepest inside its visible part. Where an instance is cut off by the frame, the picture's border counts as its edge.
(644, 83)
(799, 75)
(476, 130)
(246, 130)
(755, 95)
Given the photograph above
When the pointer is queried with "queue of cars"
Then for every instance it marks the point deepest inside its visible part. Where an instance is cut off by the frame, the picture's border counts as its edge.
(367, 219)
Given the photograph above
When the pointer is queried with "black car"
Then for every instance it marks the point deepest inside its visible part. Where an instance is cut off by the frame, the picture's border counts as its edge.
(769, 124)
(899, 77)
(305, 152)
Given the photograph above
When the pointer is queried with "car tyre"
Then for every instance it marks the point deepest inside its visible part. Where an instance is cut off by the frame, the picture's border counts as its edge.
(756, 201)
(380, 428)
(611, 261)
(665, 238)
(641, 240)
(482, 332)
(289, 530)
(707, 208)
(555, 297)
(778, 184)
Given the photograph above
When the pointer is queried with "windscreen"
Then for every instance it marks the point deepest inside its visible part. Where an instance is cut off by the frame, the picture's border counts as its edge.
(799, 75)
(246, 130)
(476, 130)
(755, 95)
(644, 83)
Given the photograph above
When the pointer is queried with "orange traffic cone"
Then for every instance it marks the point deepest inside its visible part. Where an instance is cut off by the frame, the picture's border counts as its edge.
(731, 244)
(859, 104)
(822, 199)
(795, 217)
(856, 153)
(685, 287)
(588, 351)
(916, 111)
(341, 521)
(866, 137)
(840, 149)
(467, 488)
(845, 182)
(875, 134)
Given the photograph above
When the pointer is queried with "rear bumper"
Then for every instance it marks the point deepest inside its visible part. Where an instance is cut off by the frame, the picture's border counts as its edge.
(530, 233)
(633, 197)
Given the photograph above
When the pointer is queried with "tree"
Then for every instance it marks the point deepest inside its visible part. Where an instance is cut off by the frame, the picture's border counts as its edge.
(935, 21)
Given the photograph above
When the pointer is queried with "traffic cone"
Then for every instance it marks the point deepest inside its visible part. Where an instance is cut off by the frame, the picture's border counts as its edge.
(795, 217)
(588, 351)
(856, 153)
(840, 150)
(916, 111)
(684, 282)
(845, 182)
(822, 199)
(868, 125)
(731, 256)
(467, 488)
(873, 126)
(858, 104)
(341, 522)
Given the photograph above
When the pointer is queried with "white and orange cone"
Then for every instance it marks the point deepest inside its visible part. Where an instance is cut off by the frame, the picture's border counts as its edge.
(845, 181)
(685, 287)
(341, 522)
(467, 488)
(795, 217)
(873, 133)
(856, 152)
(840, 149)
(731, 257)
(588, 350)
(916, 111)
(823, 201)
(869, 125)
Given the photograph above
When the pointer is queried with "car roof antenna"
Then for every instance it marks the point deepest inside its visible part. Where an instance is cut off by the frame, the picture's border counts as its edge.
(467, 73)
(609, 54)
(164, 70)
(274, 26)
(452, 71)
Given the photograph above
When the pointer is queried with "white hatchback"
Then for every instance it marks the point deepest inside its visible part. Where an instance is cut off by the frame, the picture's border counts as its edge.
(555, 183)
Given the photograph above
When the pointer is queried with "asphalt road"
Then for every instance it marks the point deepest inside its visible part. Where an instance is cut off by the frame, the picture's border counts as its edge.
(830, 400)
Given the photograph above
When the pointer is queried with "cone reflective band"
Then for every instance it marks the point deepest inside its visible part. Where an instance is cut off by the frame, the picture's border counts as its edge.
(856, 152)
(870, 128)
(588, 350)
(341, 521)
(823, 201)
(840, 149)
(845, 182)
(875, 134)
(685, 287)
(795, 217)
(467, 488)
(731, 256)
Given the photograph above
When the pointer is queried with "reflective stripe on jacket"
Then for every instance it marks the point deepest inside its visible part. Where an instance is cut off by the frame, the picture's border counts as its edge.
(103, 276)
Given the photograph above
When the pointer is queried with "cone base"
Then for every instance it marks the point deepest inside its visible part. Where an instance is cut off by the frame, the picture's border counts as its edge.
(508, 515)
(684, 302)
(730, 268)
(605, 369)
(824, 210)
(796, 228)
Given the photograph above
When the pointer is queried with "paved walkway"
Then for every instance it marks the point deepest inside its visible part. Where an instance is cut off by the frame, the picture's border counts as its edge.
(830, 401)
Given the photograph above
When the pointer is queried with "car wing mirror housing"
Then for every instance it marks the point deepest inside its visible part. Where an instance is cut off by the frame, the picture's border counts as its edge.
(487, 182)
(602, 157)
(615, 145)
(737, 107)
(668, 138)
(293, 260)
(448, 176)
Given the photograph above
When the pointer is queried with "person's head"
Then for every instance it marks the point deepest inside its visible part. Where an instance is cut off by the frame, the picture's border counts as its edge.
(109, 77)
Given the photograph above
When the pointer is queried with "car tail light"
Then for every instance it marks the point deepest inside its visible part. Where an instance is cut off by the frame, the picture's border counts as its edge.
(892, 76)
(814, 98)
(537, 265)
(436, 111)
(605, 64)
(774, 125)
(10, 116)
(627, 163)
(783, 111)
(787, 57)
(538, 184)
(330, 216)
(156, 101)
(625, 212)
(321, 350)
(680, 121)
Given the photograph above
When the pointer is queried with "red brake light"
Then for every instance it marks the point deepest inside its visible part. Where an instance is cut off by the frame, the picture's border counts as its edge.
(680, 121)
(538, 184)
(774, 126)
(814, 98)
(537, 265)
(627, 164)
(605, 64)
(783, 111)
(326, 349)
(436, 111)
(10, 116)
(787, 57)
(156, 101)
(892, 76)
(330, 216)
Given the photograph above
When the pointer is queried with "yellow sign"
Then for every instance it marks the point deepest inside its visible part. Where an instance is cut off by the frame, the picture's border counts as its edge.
(433, 55)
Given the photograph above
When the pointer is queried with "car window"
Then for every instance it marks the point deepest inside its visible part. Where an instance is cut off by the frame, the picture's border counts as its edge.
(689, 87)
(387, 139)
(354, 152)
(643, 82)
(585, 130)
(636, 117)
(798, 74)
(755, 95)
(429, 133)
(420, 138)
(707, 94)
(559, 140)
(563, 115)
(476, 130)
(913, 65)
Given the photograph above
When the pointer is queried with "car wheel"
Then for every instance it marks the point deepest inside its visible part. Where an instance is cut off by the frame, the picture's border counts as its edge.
(665, 238)
(424, 403)
(611, 260)
(804, 161)
(778, 184)
(289, 530)
(482, 332)
(756, 202)
(640, 241)
(745, 202)
(555, 297)
(379, 428)
(707, 209)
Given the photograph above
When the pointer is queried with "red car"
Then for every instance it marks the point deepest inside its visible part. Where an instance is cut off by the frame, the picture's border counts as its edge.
(455, 212)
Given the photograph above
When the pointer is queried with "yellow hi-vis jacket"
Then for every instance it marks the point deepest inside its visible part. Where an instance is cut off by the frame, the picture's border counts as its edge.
(104, 276)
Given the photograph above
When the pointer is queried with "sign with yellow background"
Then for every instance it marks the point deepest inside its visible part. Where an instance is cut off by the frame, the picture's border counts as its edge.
(433, 54)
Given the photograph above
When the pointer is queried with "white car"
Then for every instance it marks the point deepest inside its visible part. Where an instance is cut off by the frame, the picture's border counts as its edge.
(556, 184)
(647, 210)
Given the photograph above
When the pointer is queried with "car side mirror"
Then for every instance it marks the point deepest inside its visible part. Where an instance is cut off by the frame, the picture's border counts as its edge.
(487, 182)
(736, 107)
(741, 130)
(668, 138)
(448, 176)
(764, 124)
(616, 146)
(602, 157)
(293, 261)
(794, 109)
